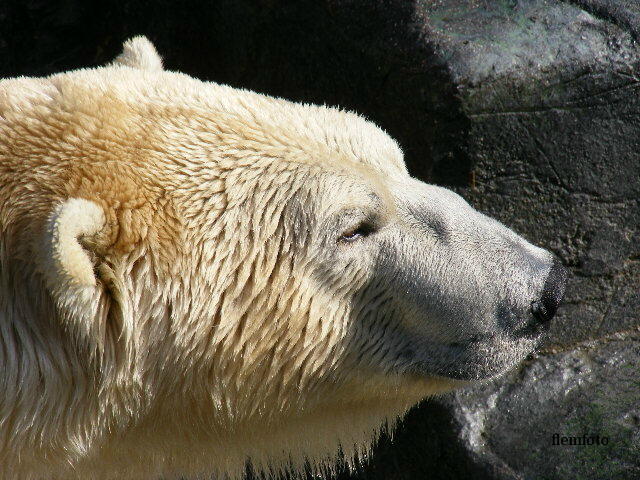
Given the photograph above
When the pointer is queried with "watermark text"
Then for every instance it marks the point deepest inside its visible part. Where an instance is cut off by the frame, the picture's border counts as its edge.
(557, 439)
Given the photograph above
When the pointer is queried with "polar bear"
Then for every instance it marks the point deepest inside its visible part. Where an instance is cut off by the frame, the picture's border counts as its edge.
(194, 277)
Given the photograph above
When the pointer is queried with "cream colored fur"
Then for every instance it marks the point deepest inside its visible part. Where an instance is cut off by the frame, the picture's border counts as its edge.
(168, 307)
(139, 53)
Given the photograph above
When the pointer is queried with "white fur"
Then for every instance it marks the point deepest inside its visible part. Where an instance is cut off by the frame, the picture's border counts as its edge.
(181, 289)
(140, 53)
(66, 265)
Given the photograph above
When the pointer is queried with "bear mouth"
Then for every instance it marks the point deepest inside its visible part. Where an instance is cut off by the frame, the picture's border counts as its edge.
(481, 357)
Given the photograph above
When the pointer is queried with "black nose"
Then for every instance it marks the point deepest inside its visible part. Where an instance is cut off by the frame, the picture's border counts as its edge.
(545, 308)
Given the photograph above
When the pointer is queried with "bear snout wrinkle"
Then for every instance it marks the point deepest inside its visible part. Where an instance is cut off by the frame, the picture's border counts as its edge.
(544, 309)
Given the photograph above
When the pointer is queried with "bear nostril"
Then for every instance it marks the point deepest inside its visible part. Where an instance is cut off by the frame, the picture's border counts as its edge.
(540, 311)
(545, 308)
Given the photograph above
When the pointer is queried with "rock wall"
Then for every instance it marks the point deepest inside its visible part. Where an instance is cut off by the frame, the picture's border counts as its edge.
(528, 108)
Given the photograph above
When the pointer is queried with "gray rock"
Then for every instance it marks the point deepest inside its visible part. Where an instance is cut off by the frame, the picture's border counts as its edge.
(589, 392)
(551, 94)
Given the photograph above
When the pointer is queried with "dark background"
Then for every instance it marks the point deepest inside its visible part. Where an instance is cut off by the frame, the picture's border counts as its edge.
(529, 109)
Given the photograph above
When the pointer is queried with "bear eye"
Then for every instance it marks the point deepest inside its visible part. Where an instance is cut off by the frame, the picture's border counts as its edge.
(362, 230)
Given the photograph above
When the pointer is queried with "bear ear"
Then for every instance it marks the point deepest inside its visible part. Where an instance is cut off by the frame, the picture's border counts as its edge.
(139, 52)
(66, 266)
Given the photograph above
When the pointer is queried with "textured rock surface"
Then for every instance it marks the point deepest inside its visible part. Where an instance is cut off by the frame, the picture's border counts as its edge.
(551, 93)
(591, 389)
(530, 109)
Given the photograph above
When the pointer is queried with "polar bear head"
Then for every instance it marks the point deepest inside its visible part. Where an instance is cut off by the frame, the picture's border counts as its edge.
(195, 276)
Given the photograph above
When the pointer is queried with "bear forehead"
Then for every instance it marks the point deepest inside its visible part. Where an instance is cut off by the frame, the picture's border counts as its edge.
(184, 113)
